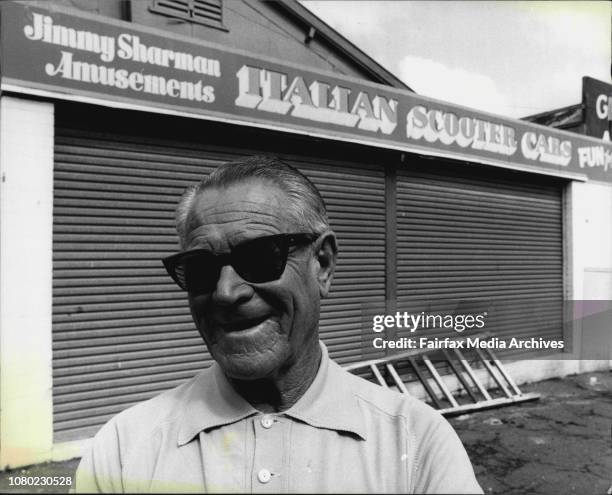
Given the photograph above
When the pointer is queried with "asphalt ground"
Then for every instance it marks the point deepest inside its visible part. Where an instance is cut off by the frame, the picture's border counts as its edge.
(560, 444)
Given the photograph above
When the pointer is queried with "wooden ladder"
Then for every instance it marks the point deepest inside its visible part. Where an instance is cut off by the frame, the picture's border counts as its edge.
(384, 371)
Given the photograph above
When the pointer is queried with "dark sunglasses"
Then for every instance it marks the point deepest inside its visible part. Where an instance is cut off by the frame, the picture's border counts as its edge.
(258, 260)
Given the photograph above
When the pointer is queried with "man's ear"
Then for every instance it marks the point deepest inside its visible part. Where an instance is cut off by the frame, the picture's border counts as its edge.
(326, 254)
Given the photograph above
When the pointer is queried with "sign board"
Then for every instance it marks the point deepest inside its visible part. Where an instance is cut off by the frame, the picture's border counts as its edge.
(597, 100)
(57, 52)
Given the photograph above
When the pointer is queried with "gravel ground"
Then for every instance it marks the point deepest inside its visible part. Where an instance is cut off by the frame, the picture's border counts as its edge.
(560, 444)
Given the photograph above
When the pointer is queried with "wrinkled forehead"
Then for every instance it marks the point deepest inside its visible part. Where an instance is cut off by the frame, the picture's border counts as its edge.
(243, 210)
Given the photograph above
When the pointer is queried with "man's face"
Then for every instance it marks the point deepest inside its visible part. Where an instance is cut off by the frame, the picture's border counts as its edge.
(253, 330)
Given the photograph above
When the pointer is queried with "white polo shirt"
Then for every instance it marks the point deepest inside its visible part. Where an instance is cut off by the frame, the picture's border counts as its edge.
(344, 434)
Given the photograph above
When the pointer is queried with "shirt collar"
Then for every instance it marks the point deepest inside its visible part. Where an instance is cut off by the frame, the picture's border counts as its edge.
(211, 401)
(329, 403)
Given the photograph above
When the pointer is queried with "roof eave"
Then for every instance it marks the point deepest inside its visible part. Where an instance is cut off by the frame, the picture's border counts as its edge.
(565, 116)
(364, 61)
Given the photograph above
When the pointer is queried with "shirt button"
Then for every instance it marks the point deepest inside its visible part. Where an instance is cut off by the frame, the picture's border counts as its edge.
(267, 421)
(264, 476)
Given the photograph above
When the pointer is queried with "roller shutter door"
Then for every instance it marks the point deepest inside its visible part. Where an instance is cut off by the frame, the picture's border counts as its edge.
(121, 331)
(492, 238)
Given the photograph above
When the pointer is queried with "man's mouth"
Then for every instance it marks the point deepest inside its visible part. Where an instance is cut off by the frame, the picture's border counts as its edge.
(242, 324)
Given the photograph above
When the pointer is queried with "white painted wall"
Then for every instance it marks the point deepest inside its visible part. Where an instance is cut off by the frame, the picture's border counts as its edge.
(591, 251)
(26, 201)
(592, 238)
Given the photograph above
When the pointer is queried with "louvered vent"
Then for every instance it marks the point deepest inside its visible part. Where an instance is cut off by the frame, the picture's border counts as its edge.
(207, 12)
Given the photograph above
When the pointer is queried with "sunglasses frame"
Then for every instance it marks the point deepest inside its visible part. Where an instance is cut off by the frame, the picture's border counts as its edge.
(284, 242)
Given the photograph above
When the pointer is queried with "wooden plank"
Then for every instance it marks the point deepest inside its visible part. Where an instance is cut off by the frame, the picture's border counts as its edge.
(378, 376)
(492, 373)
(471, 374)
(438, 380)
(460, 376)
(489, 404)
(425, 383)
(396, 378)
(503, 372)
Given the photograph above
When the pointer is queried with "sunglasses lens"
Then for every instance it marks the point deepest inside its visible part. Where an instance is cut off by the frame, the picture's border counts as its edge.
(257, 261)
(198, 274)
(261, 260)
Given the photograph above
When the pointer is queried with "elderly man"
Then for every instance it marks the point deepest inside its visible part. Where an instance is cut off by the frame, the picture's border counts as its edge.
(274, 414)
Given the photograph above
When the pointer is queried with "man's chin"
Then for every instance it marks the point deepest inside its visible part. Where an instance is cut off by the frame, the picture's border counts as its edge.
(250, 353)
(251, 362)
(249, 367)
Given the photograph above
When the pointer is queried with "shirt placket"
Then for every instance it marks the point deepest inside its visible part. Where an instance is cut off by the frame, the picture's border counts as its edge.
(269, 473)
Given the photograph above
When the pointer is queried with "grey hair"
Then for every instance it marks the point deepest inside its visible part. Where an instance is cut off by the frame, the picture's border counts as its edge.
(306, 207)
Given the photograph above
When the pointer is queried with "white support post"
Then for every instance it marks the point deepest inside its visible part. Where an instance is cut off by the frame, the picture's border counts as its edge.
(26, 228)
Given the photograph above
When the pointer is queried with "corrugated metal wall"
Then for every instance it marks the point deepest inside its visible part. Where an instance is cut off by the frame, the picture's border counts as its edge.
(492, 239)
(121, 331)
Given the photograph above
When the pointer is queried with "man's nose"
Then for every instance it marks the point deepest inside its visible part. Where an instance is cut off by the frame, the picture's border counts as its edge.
(231, 288)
